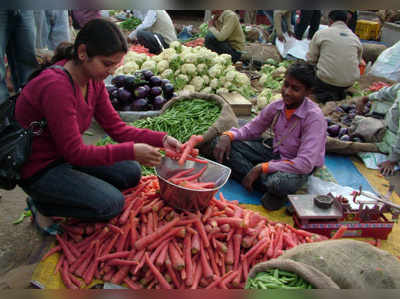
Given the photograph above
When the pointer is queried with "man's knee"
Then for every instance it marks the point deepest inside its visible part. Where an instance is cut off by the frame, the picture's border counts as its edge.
(281, 183)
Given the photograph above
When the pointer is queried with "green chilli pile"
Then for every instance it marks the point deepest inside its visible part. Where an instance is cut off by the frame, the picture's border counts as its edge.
(277, 279)
(183, 119)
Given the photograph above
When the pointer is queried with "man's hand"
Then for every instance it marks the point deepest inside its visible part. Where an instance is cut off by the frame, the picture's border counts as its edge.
(387, 168)
(172, 144)
(360, 105)
(251, 177)
(146, 155)
(223, 148)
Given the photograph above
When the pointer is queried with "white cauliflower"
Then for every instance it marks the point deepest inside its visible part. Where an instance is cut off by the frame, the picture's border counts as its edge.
(222, 90)
(162, 66)
(263, 79)
(228, 85)
(119, 71)
(230, 68)
(201, 68)
(215, 70)
(189, 88)
(226, 59)
(177, 46)
(197, 82)
(230, 76)
(156, 58)
(149, 65)
(130, 67)
(190, 58)
(167, 73)
(189, 69)
(214, 83)
(207, 89)
(183, 77)
(167, 53)
(242, 79)
(206, 79)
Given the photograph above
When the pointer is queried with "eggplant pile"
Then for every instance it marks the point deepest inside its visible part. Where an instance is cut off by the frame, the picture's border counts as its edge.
(142, 91)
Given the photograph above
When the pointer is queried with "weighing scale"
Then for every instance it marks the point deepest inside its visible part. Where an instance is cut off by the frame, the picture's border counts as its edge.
(325, 214)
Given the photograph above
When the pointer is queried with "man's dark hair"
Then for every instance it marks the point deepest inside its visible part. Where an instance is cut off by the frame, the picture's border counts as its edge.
(338, 15)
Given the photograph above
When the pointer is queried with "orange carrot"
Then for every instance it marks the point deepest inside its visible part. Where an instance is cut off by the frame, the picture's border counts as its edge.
(189, 146)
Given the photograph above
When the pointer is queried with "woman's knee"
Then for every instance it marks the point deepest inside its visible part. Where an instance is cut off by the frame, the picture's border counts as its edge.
(109, 205)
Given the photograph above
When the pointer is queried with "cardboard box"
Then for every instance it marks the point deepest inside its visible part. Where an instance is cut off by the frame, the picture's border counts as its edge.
(239, 104)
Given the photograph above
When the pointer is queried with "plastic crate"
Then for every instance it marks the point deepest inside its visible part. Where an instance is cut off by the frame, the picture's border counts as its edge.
(368, 29)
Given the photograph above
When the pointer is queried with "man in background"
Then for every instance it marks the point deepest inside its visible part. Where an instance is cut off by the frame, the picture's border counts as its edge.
(155, 32)
(337, 52)
(225, 34)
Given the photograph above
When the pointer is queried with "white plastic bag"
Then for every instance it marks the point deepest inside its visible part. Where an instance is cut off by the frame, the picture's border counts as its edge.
(388, 63)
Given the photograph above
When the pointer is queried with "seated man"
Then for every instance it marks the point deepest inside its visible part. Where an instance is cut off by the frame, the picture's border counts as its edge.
(337, 53)
(391, 140)
(156, 31)
(225, 34)
(279, 166)
(282, 23)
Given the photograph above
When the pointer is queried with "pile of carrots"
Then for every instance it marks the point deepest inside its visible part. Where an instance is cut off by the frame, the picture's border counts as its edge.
(140, 49)
(196, 42)
(377, 86)
(151, 246)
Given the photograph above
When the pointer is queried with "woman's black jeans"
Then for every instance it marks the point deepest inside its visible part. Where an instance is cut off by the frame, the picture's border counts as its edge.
(87, 193)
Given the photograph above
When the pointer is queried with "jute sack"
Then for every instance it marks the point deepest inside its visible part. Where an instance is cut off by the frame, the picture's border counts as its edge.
(334, 145)
(344, 264)
(226, 120)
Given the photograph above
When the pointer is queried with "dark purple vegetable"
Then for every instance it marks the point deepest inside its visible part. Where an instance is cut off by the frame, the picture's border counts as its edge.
(111, 88)
(343, 131)
(345, 108)
(155, 91)
(140, 105)
(124, 96)
(164, 81)
(168, 89)
(147, 74)
(345, 138)
(158, 102)
(115, 103)
(155, 81)
(333, 130)
(118, 81)
(140, 92)
(147, 87)
(114, 94)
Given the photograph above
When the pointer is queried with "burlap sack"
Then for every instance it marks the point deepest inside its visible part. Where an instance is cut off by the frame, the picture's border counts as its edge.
(344, 264)
(225, 121)
(260, 52)
(369, 128)
(334, 145)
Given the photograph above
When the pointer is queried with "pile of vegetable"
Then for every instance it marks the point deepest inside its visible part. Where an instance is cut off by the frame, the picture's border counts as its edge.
(183, 119)
(141, 91)
(277, 279)
(149, 245)
(140, 49)
(192, 69)
(341, 130)
(130, 24)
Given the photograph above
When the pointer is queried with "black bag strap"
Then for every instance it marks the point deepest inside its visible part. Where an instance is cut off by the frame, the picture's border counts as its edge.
(36, 127)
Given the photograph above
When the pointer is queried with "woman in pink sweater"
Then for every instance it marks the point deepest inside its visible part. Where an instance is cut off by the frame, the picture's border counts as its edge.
(65, 177)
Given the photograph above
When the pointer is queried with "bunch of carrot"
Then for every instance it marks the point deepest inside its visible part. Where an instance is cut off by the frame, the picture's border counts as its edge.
(149, 245)
(196, 42)
(140, 49)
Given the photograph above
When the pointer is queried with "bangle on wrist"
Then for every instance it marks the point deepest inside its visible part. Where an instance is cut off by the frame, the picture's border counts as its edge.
(229, 134)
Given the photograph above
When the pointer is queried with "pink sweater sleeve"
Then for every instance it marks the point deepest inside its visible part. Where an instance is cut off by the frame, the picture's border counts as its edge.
(60, 110)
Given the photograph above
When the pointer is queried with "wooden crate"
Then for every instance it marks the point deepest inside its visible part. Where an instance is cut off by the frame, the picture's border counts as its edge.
(239, 104)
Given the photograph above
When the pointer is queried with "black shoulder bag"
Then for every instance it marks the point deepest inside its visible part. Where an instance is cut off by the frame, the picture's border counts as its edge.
(16, 141)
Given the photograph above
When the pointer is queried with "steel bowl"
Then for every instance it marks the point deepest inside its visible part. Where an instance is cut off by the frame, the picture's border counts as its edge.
(187, 199)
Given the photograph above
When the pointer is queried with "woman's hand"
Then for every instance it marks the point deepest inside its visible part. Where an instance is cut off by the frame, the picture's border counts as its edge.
(251, 177)
(147, 155)
(223, 148)
(361, 104)
(387, 167)
(172, 144)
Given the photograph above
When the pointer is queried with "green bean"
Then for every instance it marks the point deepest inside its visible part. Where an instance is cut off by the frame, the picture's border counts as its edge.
(277, 279)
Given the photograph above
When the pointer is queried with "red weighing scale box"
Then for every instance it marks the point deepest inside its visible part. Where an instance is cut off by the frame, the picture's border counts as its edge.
(363, 219)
